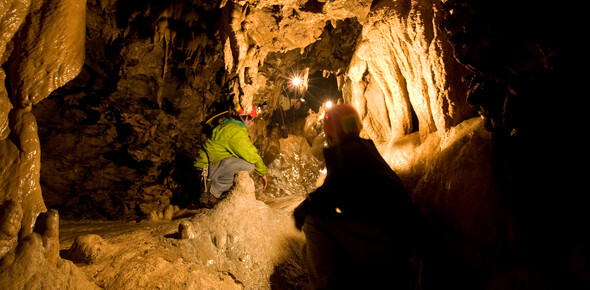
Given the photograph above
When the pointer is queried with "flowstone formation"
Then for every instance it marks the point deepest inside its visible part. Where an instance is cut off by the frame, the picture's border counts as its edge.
(475, 105)
(252, 29)
(240, 243)
(40, 52)
(403, 77)
(35, 262)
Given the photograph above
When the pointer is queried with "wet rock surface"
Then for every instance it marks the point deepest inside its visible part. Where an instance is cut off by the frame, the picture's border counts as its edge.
(35, 262)
(295, 170)
(39, 54)
(118, 140)
(417, 93)
(239, 243)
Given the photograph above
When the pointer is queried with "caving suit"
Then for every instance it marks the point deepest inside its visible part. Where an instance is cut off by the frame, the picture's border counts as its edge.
(227, 151)
(359, 224)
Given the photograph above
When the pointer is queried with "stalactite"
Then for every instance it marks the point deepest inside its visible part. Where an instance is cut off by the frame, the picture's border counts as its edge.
(162, 80)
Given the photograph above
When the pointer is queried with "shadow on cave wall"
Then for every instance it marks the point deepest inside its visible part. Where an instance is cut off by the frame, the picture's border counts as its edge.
(527, 72)
(184, 173)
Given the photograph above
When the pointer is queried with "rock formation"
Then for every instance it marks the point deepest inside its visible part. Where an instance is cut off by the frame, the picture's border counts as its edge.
(403, 75)
(240, 243)
(478, 107)
(40, 53)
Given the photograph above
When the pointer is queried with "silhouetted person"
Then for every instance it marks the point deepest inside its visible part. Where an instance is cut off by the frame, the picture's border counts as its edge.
(289, 110)
(227, 151)
(360, 224)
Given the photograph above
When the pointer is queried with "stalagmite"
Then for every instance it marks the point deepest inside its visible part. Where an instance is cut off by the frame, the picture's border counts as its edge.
(47, 51)
(105, 104)
(186, 230)
(47, 226)
(26, 190)
(41, 61)
(11, 214)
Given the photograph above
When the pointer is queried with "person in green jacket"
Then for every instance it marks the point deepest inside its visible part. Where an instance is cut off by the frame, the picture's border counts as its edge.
(227, 151)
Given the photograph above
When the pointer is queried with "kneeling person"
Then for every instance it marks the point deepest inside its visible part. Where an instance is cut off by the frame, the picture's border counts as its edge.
(227, 151)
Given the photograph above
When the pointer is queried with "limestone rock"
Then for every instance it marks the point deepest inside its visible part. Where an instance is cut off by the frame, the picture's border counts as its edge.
(255, 30)
(294, 171)
(10, 224)
(119, 139)
(12, 15)
(186, 230)
(51, 50)
(47, 226)
(30, 269)
(239, 243)
(46, 51)
(248, 243)
(407, 68)
(168, 212)
(88, 249)
(21, 166)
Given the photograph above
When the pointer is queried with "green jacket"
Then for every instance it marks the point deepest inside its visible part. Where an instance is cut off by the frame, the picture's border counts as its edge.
(230, 139)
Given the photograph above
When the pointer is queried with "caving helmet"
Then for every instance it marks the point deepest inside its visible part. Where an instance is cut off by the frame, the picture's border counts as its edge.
(246, 116)
(342, 121)
(240, 111)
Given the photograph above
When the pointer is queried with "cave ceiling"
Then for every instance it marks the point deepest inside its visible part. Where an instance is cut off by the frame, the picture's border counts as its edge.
(244, 33)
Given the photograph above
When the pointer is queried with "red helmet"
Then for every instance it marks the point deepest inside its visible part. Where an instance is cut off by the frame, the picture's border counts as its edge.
(342, 121)
(253, 112)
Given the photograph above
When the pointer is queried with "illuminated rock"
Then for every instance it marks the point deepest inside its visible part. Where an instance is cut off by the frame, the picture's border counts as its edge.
(36, 262)
(403, 77)
(294, 171)
(186, 230)
(253, 237)
(255, 29)
(88, 249)
(47, 52)
(50, 50)
(239, 243)
(23, 177)
(10, 224)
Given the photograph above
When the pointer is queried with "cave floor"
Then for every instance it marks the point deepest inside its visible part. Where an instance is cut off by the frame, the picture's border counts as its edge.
(70, 229)
(152, 254)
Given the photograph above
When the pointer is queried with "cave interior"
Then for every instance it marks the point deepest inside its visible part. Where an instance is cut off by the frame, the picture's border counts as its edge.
(478, 107)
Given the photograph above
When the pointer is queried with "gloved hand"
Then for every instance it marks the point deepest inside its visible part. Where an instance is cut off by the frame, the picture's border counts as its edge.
(264, 181)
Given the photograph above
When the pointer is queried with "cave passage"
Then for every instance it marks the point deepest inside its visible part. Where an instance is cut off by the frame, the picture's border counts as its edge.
(321, 90)
(477, 105)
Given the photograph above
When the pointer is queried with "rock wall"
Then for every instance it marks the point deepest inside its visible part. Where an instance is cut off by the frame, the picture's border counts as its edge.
(40, 51)
(525, 75)
(42, 48)
(488, 185)
(403, 77)
(119, 140)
